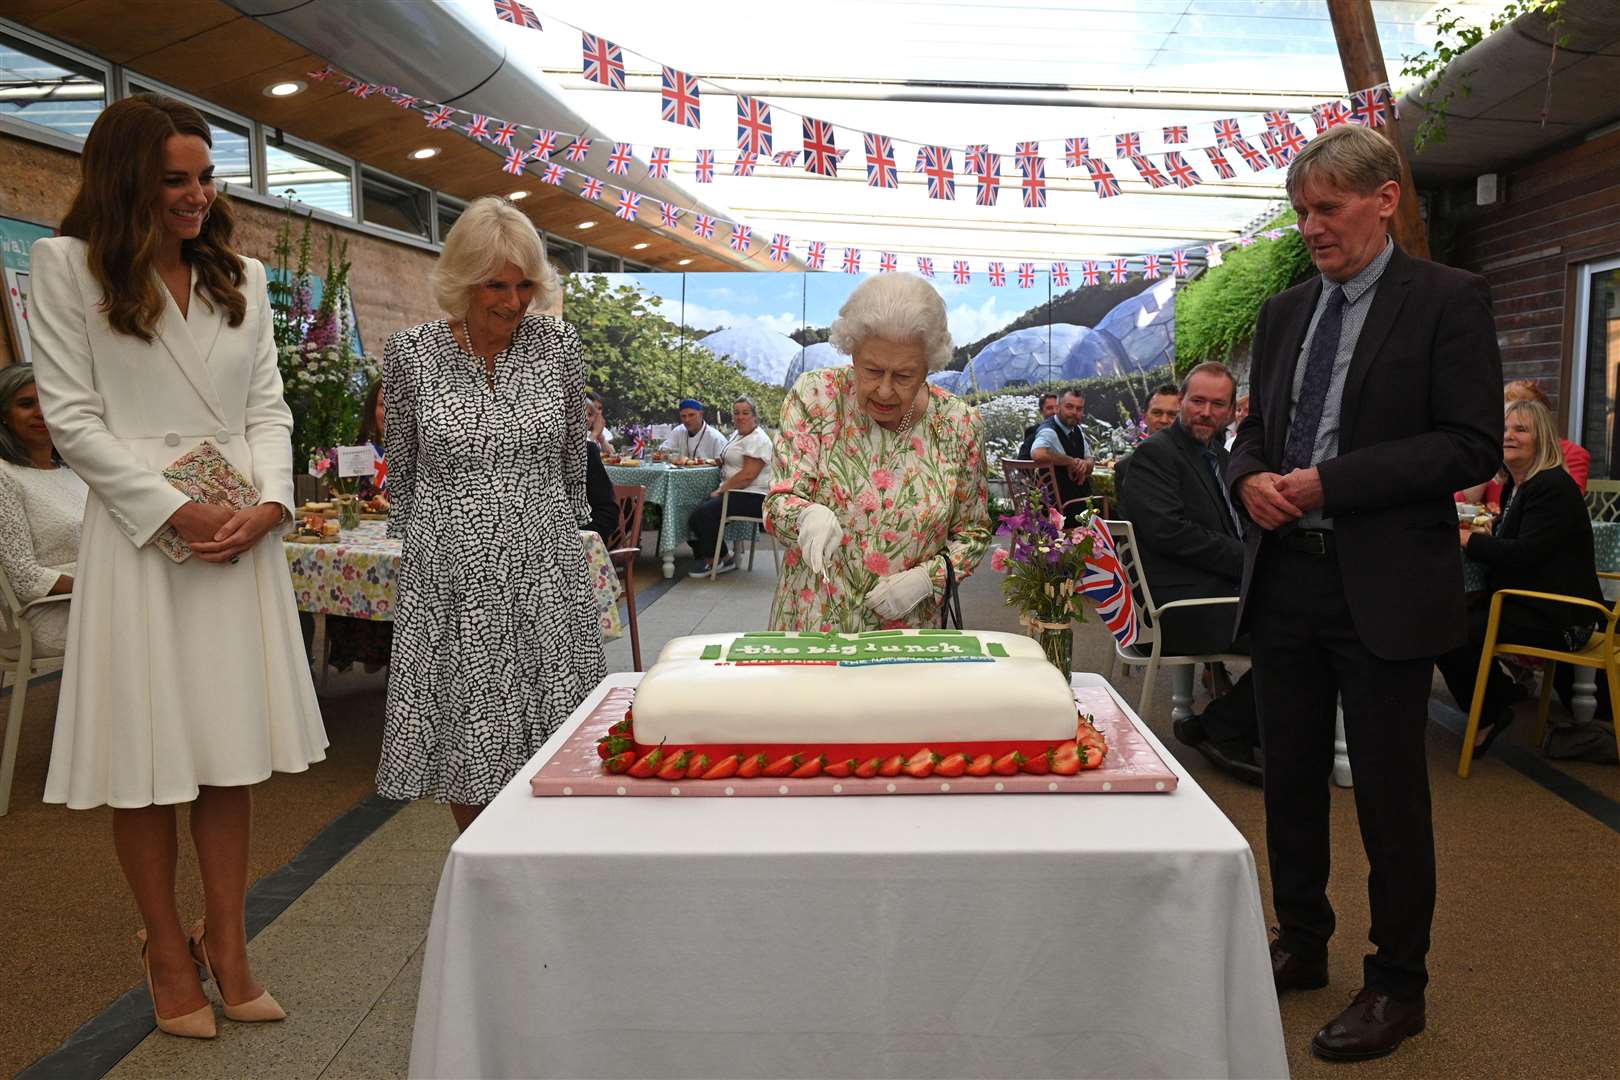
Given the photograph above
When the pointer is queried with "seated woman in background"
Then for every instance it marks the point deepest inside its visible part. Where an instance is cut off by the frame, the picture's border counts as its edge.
(745, 471)
(1577, 459)
(598, 484)
(371, 434)
(1544, 544)
(41, 510)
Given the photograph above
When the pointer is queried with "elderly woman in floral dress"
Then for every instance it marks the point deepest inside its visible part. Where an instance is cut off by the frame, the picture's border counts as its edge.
(879, 476)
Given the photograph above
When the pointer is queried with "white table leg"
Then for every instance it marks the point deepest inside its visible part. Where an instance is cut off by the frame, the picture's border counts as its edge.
(1341, 750)
(1181, 691)
(1583, 696)
(669, 565)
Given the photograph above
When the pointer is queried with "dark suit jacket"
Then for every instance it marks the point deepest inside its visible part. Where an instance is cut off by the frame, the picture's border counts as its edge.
(1190, 546)
(599, 493)
(1545, 544)
(1026, 447)
(1421, 419)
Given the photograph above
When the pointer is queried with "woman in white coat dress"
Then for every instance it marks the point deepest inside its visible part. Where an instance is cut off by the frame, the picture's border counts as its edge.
(184, 682)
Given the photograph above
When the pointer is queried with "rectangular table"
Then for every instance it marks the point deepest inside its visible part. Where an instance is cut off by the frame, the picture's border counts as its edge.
(974, 935)
(676, 491)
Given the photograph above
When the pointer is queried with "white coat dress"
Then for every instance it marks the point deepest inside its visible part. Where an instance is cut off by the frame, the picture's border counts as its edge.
(177, 675)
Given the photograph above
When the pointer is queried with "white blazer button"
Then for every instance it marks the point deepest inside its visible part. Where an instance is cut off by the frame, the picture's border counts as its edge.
(171, 439)
(223, 436)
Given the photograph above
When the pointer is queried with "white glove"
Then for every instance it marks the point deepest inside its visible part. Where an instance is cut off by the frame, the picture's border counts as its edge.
(819, 535)
(897, 594)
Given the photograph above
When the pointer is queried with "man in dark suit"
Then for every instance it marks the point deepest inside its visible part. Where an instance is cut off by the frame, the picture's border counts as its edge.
(1191, 538)
(1060, 442)
(1048, 410)
(1375, 392)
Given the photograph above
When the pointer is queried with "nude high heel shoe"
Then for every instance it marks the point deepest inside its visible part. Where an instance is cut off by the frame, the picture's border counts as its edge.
(261, 1008)
(193, 1025)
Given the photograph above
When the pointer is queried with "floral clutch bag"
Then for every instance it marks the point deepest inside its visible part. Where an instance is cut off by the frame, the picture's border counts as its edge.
(203, 475)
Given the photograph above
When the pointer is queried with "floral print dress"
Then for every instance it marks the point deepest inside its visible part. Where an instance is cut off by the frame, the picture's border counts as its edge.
(902, 502)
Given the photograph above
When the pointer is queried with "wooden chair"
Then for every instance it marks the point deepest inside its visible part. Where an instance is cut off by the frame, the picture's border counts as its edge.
(623, 548)
(1602, 651)
(23, 663)
(1025, 478)
(1603, 500)
(758, 523)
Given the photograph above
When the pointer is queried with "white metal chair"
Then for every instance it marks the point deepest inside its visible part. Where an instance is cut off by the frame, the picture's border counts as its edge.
(1146, 652)
(23, 663)
(727, 518)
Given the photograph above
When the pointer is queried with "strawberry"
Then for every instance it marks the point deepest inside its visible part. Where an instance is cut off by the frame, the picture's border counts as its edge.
(809, 768)
(621, 728)
(675, 767)
(784, 765)
(1066, 759)
(751, 766)
(1040, 764)
(841, 769)
(892, 765)
(869, 769)
(953, 765)
(725, 768)
(648, 764)
(614, 745)
(698, 767)
(620, 762)
(921, 763)
(1008, 764)
(980, 766)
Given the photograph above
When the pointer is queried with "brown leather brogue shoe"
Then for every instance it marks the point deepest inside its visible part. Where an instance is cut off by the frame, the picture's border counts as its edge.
(1371, 1027)
(1291, 972)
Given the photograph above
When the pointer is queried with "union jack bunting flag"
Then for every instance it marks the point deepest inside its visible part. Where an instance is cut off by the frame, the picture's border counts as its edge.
(578, 150)
(510, 11)
(1254, 159)
(554, 174)
(816, 255)
(703, 225)
(1280, 155)
(1150, 267)
(514, 162)
(852, 260)
(1102, 178)
(1149, 172)
(1223, 168)
(1127, 144)
(619, 160)
(1117, 272)
(1176, 133)
(670, 215)
(753, 125)
(405, 101)
(1384, 96)
(960, 272)
(1024, 151)
(1104, 583)
(591, 190)
(658, 162)
(880, 167)
(1088, 273)
(1060, 275)
(925, 266)
(544, 143)
(935, 163)
(781, 248)
(321, 75)
(680, 97)
(363, 89)
(705, 166)
(504, 134)
(1180, 171)
(820, 149)
(786, 157)
(629, 205)
(998, 274)
(744, 165)
(1178, 263)
(1075, 151)
(1291, 139)
(1277, 118)
(1245, 241)
(1034, 182)
(1330, 114)
(1227, 131)
(1367, 108)
(976, 158)
(1026, 275)
(1272, 234)
(479, 128)
(989, 181)
(888, 262)
(604, 61)
(741, 237)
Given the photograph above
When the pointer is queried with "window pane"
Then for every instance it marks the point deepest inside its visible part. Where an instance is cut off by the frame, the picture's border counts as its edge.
(49, 90)
(603, 264)
(449, 214)
(232, 156)
(394, 204)
(1602, 348)
(564, 256)
(309, 177)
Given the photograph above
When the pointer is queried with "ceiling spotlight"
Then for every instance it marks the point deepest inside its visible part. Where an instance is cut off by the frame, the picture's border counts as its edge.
(639, 247)
(424, 153)
(518, 195)
(587, 224)
(285, 89)
(684, 262)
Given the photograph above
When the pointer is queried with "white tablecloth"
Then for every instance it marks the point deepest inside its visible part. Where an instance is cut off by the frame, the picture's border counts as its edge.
(915, 936)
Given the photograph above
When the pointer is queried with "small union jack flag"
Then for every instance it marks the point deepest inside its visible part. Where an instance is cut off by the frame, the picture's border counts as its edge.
(935, 163)
(321, 75)
(1277, 118)
(703, 225)
(1291, 139)
(1105, 584)
(1245, 241)
(1034, 182)
(998, 274)
(504, 134)
(976, 158)
(510, 11)
(1367, 108)
(1330, 114)
(670, 215)
(888, 262)
(619, 160)
(1223, 168)
(514, 162)
(1117, 272)
(925, 266)
(553, 174)
(1176, 133)
(544, 143)
(744, 165)
(1179, 169)
(680, 96)
(753, 125)
(592, 190)
(1178, 263)
(1279, 154)
(880, 167)
(405, 101)
(1088, 274)
(1150, 267)
(741, 237)
(1060, 275)
(479, 128)
(363, 89)
(604, 61)
(1128, 144)
(1227, 131)
(629, 205)
(1272, 234)
(786, 157)
(705, 166)
(989, 180)
(1384, 96)
(781, 248)
(1024, 151)
(852, 260)
(820, 149)
(1149, 172)
(658, 163)
(1103, 178)
(960, 272)
(816, 255)
(1254, 159)
(1075, 151)
(578, 150)
(1026, 275)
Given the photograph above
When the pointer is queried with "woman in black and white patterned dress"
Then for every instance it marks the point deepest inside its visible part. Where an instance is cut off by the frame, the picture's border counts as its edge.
(496, 638)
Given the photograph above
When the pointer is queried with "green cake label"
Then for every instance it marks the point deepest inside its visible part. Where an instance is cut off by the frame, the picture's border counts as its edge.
(856, 650)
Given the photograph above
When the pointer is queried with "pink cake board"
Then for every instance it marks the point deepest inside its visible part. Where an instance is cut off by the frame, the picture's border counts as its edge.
(1132, 765)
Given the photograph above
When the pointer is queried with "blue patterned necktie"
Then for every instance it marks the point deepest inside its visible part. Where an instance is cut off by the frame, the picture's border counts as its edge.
(1301, 444)
(1214, 464)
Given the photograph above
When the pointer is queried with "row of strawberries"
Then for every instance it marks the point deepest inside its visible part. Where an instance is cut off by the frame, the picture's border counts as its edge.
(1065, 759)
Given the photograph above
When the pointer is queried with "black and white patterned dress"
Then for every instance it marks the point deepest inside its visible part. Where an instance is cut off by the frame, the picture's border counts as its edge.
(496, 638)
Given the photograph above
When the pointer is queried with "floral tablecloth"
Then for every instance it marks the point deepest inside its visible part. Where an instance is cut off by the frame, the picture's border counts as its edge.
(1605, 546)
(357, 576)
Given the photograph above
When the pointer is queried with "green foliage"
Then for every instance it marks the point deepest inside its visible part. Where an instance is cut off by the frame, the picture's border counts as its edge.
(636, 358)
(1216, 313)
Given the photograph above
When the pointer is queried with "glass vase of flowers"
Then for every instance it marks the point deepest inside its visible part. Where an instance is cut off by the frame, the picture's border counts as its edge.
(1044, 562)
(323, 465)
